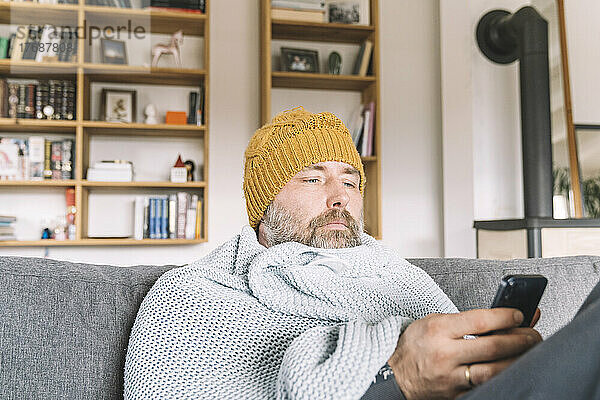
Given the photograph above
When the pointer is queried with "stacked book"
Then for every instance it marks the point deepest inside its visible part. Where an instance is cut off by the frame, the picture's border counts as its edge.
(7, 229)
(42, 43)
(111, 3)
(196, 108)
(176, 216)
(363, 60)
(36, 158)
(52, 99)
(298, 10)
(111, 171)
(191, 6)
(362, 128)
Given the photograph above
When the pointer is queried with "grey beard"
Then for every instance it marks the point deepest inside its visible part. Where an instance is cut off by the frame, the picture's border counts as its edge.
(280, 226)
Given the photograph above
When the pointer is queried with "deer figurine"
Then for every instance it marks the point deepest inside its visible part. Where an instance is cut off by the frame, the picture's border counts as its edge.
(171, 48)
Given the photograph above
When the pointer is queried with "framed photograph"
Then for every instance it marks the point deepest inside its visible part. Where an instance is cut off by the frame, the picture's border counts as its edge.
(113, 51)
(299, 60)
(118, 105)
(344, 12)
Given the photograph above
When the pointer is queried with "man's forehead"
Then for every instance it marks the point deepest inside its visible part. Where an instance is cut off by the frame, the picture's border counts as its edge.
(327, 165)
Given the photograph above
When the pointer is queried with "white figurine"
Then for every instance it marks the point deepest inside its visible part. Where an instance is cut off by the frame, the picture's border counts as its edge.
(171, 48)
(150, 113)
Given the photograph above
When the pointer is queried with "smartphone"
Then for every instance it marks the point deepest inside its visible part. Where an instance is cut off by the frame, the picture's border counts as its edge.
(522, 292)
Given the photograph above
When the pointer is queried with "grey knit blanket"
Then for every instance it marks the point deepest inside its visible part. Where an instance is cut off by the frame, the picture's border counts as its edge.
(286, 322)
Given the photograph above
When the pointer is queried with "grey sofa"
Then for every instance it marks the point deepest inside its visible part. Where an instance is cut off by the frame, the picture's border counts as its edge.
(64, 326)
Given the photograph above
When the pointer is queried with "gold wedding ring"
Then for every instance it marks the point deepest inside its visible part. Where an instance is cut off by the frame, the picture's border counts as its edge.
(468, 376)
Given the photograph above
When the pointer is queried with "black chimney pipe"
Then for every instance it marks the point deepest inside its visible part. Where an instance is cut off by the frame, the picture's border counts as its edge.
(504, 37)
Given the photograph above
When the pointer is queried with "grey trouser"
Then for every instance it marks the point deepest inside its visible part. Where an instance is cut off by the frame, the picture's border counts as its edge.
(566, 366)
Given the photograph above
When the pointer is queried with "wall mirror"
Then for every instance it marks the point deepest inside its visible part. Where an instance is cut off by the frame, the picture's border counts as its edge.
(567, 200)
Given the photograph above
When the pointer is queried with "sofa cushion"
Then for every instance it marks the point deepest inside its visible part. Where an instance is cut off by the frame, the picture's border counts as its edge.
(64, 327)
(473, 283)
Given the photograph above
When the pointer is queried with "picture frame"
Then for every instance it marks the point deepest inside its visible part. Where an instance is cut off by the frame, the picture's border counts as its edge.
(118, 105)
(344, 12)
(299, 60)
(113, 51)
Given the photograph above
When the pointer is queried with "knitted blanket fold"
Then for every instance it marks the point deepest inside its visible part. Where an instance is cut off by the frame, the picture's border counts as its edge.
(286, 322)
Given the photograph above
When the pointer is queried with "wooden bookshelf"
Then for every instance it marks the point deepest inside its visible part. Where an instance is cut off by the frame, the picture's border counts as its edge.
(85, 73)
(367, 86)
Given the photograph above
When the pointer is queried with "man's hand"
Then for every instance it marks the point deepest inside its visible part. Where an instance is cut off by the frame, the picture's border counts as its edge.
(431, 355)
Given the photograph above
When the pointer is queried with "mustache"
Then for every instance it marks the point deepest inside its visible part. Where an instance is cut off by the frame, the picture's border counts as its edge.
(333, 215)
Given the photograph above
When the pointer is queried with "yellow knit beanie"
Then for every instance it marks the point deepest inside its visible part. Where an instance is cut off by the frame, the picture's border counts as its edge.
(283, 147)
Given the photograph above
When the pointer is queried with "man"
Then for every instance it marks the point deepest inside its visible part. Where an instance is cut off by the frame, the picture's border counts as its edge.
(303, 304)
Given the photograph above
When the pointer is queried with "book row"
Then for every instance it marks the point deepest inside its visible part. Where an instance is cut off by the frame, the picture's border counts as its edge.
(51, 99)
(176, 216)
(7, 228)
(362, 128)
(40, 43)
(36, 158)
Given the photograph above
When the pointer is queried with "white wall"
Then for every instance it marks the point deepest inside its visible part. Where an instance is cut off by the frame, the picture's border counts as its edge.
(411, 158)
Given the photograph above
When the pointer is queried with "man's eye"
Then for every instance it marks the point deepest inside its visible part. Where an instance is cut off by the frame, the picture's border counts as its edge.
(352, 185)
(311, 180)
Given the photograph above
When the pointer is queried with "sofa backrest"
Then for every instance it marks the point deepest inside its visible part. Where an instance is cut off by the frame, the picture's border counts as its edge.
(473, 283)
(64, 327)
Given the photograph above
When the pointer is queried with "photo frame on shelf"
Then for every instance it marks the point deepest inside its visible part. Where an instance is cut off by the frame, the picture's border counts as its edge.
(588, 162)
(118, 105)
(299, 60)
(113, 51)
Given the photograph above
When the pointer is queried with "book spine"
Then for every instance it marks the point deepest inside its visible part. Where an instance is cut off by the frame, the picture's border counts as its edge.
(21, 100)
(30, 101)
(152, 218)
(173, 216)
(158, 219)
(138, 227)
(199, 219)
(190, 228)
(3, 98)
(13, 100)
(181, 214)
(193, 108)
(47, 164)
(164, 220)
(146, 217)
(56, 160)
(36, 158)
(67, 159)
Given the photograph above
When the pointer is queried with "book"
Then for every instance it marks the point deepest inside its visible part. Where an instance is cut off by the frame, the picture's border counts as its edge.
(182, 205)
(67, 159)
(138, 218)
(18, 43)
(146, 217)
(56, 159)
(201, 116)
(152, 218)
(173, 216)
(199, 219)
(47, 163)
(192, 116)
(4, 47)
(36, 158)
(107, 175)
(299, 5)
(164, 218)
(9, 161)
(288, 14)
(190, 223)
(362, 60)
(365, 142)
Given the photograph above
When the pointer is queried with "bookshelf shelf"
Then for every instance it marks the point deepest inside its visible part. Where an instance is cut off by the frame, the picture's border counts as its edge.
(48, 182)
(303, 80)
(140, 129)
(35, 125)
(368, 86)
(98, 242)
(187, 185)
(141, 74)
(152, 20)
(320, 32)
(82, 129)
(34, 13)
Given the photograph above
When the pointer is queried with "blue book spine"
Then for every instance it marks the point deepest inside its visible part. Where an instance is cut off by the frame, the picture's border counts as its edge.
(164, 218)
(152, 218)
(157, 213)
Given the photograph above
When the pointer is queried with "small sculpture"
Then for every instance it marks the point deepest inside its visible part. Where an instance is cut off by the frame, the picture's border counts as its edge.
(190, 167)
(335, 63)
(150, 113)
(171, 48)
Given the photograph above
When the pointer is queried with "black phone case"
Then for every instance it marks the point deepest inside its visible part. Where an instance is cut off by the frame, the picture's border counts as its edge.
(522, 292)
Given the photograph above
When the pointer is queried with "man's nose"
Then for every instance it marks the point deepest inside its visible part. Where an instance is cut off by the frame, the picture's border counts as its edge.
(337, 197)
